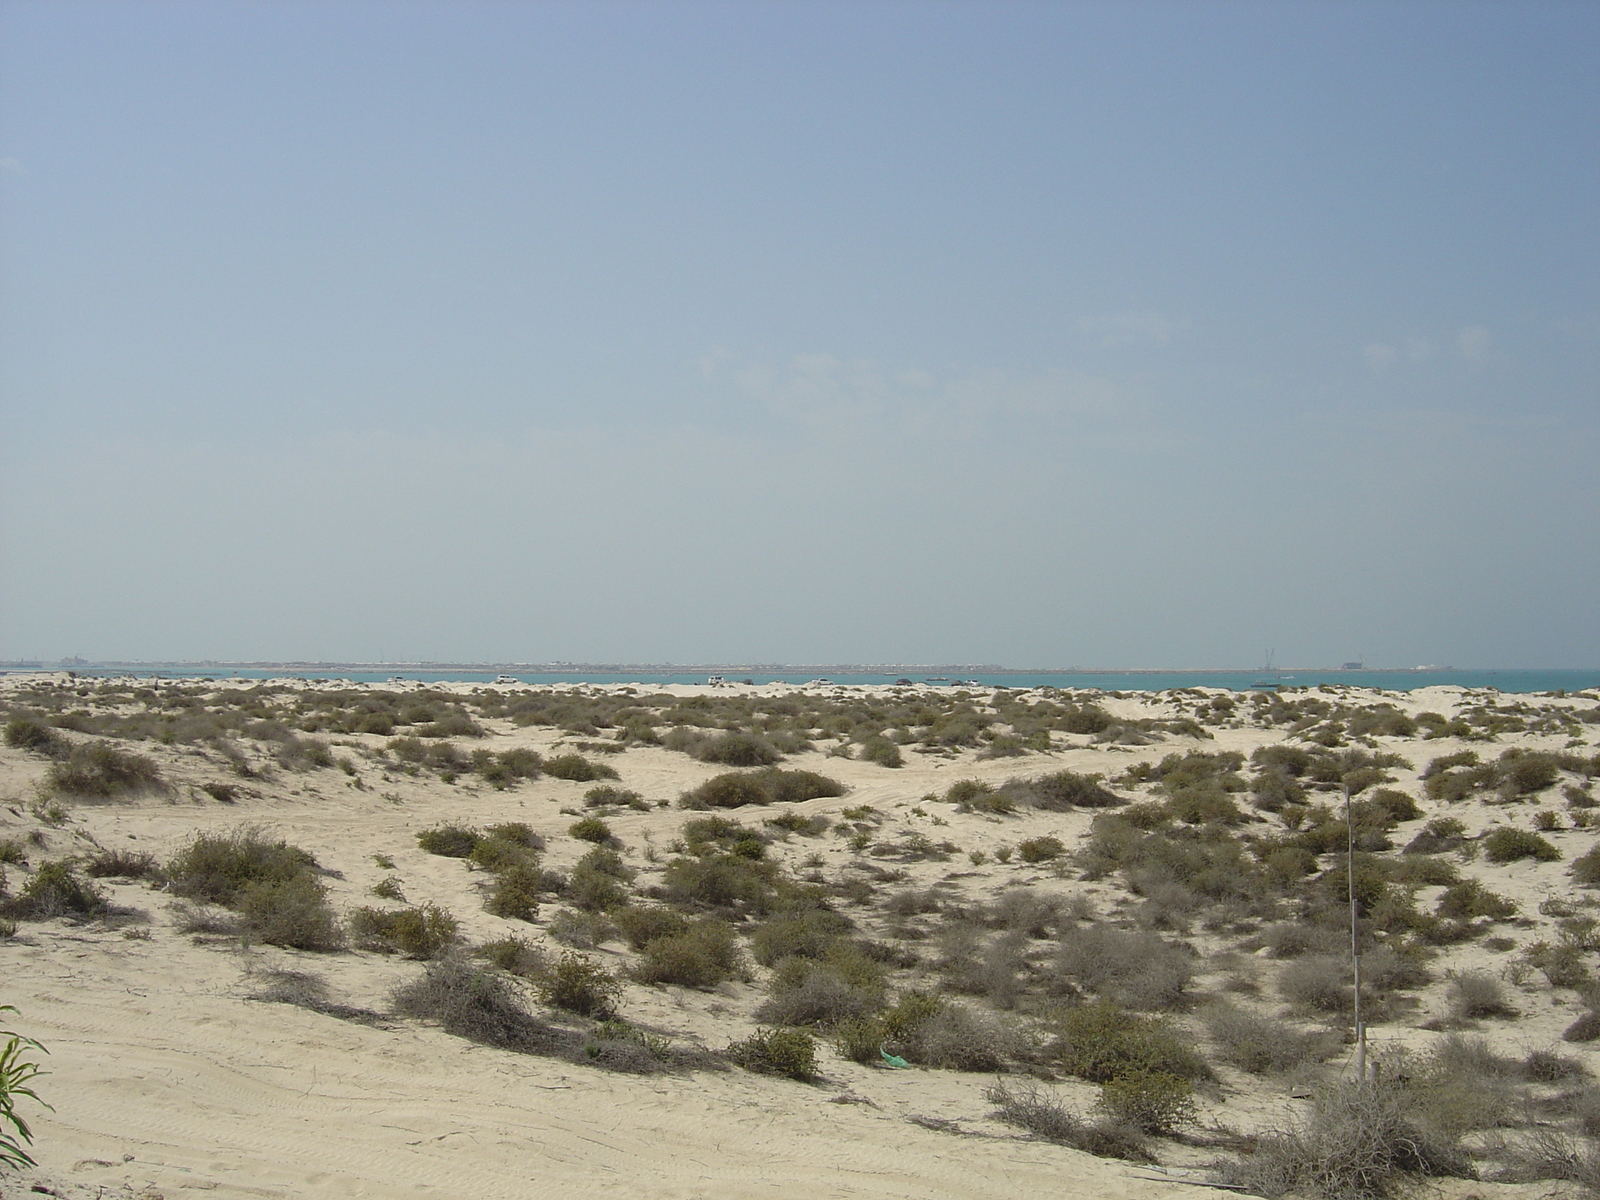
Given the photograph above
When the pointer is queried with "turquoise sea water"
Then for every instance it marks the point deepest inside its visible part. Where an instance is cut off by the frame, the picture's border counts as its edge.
(1109, 681)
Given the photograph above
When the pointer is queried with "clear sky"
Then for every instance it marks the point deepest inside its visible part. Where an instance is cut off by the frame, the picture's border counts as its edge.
(1048, 334)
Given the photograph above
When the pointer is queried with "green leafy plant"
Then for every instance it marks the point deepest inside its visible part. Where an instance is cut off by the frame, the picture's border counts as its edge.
(17, 1073)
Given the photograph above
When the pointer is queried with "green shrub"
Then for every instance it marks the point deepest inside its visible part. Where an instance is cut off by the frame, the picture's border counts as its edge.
(578, 769)
(1506, 845)
(1040, 849)
(516, 955)
(491, 852)
(1586, 868)
(1150, 1101)
(702, 956)
(449, 841)
(56, 891)
(879, 749)
(1100, 1042)
(515, 893)
(477, 1004)
(1469, 900)
(642, 924)
(98, 771)
(291, 912)
(735, 789)
(425, 932)
(726, 881)
(591, 829)
(735, 749)
(808, 934)
(1064, 790)
(791, 1053)
(122, 864)
(806, 992)
(603, 795)
(217, 868)
(26, 733)
(579, 984)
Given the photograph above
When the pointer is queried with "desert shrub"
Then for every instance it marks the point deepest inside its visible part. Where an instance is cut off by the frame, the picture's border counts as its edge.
(1586, 868)
(1469, 900)
(1099, 1042)
(1261, 1044)
(492, 853)
(1150, 1101)
(603, 795)
(581, 930)
(1508, 845)
(1362, 1141)
(1027, 912)
(26, 733)
(1585, 1029)
(1321, 983)
(879, 749)
(122, 864)
(1024, 1104)
(1546, 1066)
(768, 786)
(791, 1053)
(13, 851)
(578, 769)
(477, 1004)
(515, 955)
(642, 924)
(1387, 969)
(1139, 970)
(702, 956)
(98, 771)
(1562, 963)
(725, 881)
(1474, 994)
(591, 829)
(808, 934)
(56, 891)
(1462, 1085)
(425, 932)
(449, 841)
(794, 822)
(958, 1038)
(806, 992)
(736, 749)
(291, 912)
(579, 984)
(515, 893)
(217, 868)
(222, 793)
(1292, 939)
(1062, 790)
(1040, 849)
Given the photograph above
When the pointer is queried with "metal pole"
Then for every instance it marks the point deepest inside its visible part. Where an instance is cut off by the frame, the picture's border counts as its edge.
(1355, 943)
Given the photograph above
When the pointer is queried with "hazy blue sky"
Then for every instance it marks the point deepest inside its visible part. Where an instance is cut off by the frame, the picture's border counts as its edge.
(1045, 334)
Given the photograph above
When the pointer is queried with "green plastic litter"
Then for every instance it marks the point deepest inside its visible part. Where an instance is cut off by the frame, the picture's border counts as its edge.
(893, 1060)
